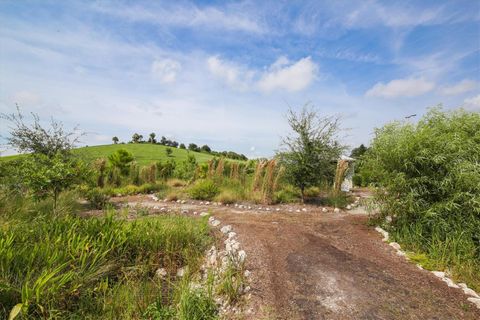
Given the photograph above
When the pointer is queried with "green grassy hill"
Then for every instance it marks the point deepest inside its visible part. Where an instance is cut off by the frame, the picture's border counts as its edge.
(144, 153)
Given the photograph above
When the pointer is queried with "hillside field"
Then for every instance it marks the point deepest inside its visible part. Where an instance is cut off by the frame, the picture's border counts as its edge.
(144, 153)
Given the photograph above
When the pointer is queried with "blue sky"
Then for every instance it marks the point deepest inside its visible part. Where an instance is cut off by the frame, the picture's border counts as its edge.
(224, 73)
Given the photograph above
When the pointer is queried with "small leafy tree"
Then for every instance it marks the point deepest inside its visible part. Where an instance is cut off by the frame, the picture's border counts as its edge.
(359, 151)
(206, 148)
(182, 146)
(115, 140)
(137, 138)
(168, 151)
(48, 176)
(151, 138)
(310, 152)
(50, 166)
(121, 159)
(163, 141)
(193, 147)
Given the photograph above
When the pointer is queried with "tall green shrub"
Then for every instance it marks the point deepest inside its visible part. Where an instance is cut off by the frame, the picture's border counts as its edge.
(429, 174)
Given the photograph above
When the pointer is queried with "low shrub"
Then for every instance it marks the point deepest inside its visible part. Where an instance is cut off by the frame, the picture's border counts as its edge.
(226, 197)
(287, 194)
(203, 190)
(97, 198)
(175, 183)
(312, 192)
(336, 199)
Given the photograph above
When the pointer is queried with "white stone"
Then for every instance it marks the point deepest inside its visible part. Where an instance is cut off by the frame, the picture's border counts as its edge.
(201, 202)
(161, 273)
(304, 209)
(336, 210)
(400, 253)
(278, 209)
(178, 201)
(462, 285)
(419, 267)
(395, 245)
(215, 223)
(184, 211)
(231, 235)
(180, 272)
(183, 201)
(439, 274)
(226, 229)
(207, 203)
(475, 301)
(268, 209)
(247, 289)
(324, 210)
(242, 255)
(349, 207)
(210, 219)
(298, 210)
(247, 273)
(450, 283)
(195, 213)
(470, 292)
(204, 214)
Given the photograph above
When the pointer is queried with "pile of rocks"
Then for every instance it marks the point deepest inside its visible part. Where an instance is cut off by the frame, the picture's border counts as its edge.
(217, 261)
(473, 297)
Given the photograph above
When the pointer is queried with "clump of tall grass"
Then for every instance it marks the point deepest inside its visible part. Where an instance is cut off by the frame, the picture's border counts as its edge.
(203, 190)
(342, 167)
(59, 265)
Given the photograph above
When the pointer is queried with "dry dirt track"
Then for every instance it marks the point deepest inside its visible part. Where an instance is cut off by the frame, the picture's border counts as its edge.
(334, 266)
(314, 265)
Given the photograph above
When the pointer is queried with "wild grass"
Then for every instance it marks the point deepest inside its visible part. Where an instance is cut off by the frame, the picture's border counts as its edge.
(63, 266)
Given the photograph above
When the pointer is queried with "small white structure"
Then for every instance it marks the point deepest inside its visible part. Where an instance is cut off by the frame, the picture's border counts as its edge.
(347, 182)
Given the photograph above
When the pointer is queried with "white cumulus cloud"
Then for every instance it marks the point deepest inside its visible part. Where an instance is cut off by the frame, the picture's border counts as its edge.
(234, 75)
(287, 76)
(461, 87)
(166, 70)
(409, 87)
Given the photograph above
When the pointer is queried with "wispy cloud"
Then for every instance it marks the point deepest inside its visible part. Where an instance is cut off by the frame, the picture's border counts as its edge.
(165, 70)
(463, 86)
(409, 87)
(182, 15)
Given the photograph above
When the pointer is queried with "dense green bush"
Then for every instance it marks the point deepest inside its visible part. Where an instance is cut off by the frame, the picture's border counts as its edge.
(429, 175)
(203, 190)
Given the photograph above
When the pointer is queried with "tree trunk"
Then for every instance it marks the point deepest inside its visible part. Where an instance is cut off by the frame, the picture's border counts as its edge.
(302, 193)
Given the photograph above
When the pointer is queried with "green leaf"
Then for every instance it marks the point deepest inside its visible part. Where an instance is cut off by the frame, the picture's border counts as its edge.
(15, 311)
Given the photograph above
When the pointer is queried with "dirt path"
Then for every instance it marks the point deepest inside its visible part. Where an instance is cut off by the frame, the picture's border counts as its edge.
(314, 265)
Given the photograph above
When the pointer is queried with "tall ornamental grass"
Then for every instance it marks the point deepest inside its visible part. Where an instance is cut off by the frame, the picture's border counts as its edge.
(429, 178)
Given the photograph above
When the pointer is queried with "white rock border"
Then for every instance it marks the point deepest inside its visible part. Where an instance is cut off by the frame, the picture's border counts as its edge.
(232, 254)
(473, 296)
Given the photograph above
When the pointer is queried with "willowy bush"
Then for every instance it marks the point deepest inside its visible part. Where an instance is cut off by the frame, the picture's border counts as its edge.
(429, 178)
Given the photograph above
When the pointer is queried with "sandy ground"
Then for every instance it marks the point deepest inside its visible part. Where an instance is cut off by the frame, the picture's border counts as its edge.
(316, 265)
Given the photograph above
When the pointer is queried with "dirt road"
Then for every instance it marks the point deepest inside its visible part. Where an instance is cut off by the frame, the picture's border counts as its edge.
(314, 265)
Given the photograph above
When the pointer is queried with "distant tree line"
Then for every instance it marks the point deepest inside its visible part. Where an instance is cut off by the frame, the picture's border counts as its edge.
(138, 138)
